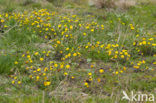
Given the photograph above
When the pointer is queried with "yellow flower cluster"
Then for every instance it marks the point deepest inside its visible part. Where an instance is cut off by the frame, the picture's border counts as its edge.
(72, 39)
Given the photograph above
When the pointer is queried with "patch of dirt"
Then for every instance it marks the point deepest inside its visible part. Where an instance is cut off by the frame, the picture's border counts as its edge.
(44, 46)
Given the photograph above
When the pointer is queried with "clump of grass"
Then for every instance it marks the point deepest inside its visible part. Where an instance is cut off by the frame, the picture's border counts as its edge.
(56, 2)
(10, 6)
(6, 64)
(27, 2)
(104, 3)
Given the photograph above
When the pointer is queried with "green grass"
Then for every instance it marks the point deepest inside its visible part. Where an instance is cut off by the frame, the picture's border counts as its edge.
(6, 64)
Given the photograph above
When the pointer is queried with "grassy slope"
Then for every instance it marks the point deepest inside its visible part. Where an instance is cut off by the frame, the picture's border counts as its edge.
(14, 44)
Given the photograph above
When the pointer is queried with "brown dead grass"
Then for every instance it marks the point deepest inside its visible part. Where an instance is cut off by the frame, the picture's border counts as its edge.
(125, 3)
(115, 3)
(67, 91)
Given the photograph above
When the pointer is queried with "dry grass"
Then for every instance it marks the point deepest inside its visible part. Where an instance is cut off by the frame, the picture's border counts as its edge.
(125, 3)
(113, 3)
(119, 3)
(67, 91)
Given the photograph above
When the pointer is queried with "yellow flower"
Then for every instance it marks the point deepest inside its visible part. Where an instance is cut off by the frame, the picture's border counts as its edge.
(98, 42)
(19, 82)
(67, 36)
(121, 71)
(126, 53)
(121, 53)
(90, 79)
(86, 47)
(124, 68)
(153, 44)
(67, 49)
(47, 54)
(101, 70)
(123, 23)
(71, 27)
(69, 55)
(117, 45)
(36, 53)
(2, 21)
(39, 69)
(41, 59)
(16, 62)
(90, 74)
(102, 26)
(61, 66)
(74, 54)
(143, 38)
(84, 34)
(99, 80)
(136, 67)
(56, 65)
(116, 72)
(37, 78)
(149, 43)
(58, 42)
(47, 83)
(115, 56)
(65, 73)
(59, 26)
(30, 76)
(15, 77)
(116, 52)
(151, 39)
(45, 37)
(45, 69)
(87, 27)
(138, 64)
(67, 66)
(49, 51)
(137, 35)
(44, 52)
(61, 52)
(44, 74)
(92, 30)
(13, 82)
(52, 30)
(144, 42)
(143, 62)
(92, 66)
(86, 84)
(132, 27)
(31, 61)
(109, 52)
(28, 56)
(72, 77)
(122, 56)
(5, 26)
(46, 29)
(23, 55)
(102, 46)
(134, 43)
(51, 67)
